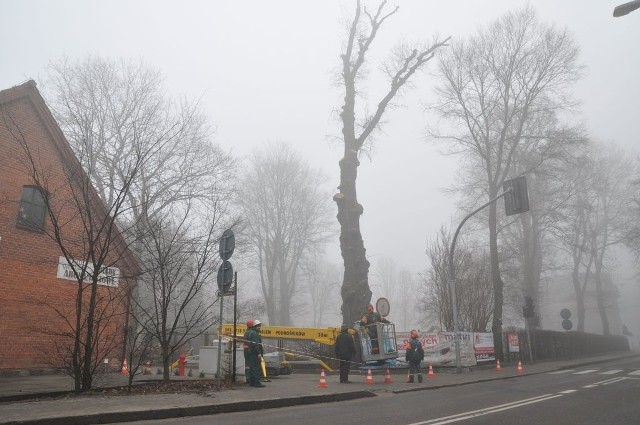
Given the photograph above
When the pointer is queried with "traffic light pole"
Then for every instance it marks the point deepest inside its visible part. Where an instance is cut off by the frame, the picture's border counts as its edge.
(452, 278)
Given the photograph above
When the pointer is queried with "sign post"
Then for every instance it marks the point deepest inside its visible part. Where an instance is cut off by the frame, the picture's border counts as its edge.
(225, 278)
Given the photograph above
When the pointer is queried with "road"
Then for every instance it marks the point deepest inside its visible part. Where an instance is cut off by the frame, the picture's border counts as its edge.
(600, 395)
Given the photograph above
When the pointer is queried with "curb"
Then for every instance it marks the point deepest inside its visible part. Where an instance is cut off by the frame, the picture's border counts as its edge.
(183, 412)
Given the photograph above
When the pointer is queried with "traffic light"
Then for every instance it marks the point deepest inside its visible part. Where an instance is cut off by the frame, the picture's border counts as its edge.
(527, 310)
(516, 197)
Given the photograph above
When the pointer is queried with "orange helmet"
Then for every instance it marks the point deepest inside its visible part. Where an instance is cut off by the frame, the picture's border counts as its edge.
(250, 323)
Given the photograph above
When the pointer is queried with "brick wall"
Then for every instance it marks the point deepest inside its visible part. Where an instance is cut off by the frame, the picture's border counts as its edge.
(29, 289)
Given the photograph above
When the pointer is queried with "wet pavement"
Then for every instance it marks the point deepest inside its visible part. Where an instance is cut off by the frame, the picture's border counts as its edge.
(40, 407)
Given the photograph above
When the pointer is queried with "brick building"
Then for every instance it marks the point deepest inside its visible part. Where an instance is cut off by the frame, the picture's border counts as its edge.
(37, 289)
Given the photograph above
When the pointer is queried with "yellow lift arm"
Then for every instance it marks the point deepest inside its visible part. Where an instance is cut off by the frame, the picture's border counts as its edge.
(326, 336)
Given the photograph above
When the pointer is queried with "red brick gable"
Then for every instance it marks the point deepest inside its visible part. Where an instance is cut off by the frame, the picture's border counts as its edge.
(29, 287)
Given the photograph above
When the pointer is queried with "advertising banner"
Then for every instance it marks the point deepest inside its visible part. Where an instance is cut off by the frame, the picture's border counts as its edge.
(440, 350)
(514, 343)
(483, 346)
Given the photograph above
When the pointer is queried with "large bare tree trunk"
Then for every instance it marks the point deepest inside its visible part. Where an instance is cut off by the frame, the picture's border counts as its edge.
(362, 33)
(355, 289)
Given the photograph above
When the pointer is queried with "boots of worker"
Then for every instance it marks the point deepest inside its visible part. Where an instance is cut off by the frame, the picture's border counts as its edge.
(420, 378)
(411, 379)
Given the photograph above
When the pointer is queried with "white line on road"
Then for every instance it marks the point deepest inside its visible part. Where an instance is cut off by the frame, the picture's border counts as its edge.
(568, 391)
(611, 372)
(561, 371)
(584, 372)
(486, 411)
(636, 372)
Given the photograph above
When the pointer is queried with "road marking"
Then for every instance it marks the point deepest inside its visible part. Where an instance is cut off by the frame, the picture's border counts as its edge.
(568, 391)
(486, 411)
(584, 372)
(561, 371)
(611, 372)
(606, 382)
(635, 372)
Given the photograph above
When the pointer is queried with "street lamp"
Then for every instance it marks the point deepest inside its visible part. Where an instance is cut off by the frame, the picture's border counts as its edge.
(516, 201)
(625, 8)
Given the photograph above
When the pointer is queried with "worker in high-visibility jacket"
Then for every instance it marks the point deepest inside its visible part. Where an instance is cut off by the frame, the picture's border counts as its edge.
(245, 347)
(253, 353)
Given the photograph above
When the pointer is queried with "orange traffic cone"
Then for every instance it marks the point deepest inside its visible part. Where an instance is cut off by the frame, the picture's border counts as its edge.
(498, 368)
(323, 380)
(431, 374)
(369, 377)
(125, 369)
(519, 369)
(387, 377)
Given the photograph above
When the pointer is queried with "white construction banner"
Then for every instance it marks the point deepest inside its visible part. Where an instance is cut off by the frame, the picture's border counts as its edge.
(440, 349)
(483, 346)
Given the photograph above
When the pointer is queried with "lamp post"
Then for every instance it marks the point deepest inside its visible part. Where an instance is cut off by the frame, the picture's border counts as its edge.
(626, 8)
(452, 277)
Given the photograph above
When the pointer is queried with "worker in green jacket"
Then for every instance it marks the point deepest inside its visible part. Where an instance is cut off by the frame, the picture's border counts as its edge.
(254, 351)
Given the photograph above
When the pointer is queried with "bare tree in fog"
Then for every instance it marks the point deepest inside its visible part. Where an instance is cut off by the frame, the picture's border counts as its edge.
(356, 132)
(405, 311)
(84, 228)
(322, 284)
(495, 83)
(547, 149)
(609, 218)
(111, 111)
(473, 285)
(399, 287)
(597, 219)
(286, 214)
(384, 279)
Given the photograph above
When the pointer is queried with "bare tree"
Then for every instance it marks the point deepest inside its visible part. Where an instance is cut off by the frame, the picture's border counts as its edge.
(322, 284)
(184, 251)
(473, 285)
(111, 112)
(609, 218)
(356, 133)
(495, 83)
(286, 214)
(597, 218)
(406, 304)
(85, 231)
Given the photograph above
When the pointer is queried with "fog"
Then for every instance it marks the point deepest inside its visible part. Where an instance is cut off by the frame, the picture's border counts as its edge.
(266, 71)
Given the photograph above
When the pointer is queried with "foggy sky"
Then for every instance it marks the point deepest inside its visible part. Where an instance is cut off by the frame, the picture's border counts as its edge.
(266, 71)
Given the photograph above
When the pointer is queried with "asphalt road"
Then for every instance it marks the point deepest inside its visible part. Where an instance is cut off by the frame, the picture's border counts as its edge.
(602, 394)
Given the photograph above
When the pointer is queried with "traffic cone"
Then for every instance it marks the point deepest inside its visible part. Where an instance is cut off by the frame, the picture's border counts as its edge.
(519, 369)
(498, 368)
(431, 374)
(369, 377)
(323, 380)
(125, 369)
(387, 376)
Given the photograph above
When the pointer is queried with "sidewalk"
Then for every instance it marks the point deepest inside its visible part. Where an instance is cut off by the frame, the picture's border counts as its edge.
(290, 390)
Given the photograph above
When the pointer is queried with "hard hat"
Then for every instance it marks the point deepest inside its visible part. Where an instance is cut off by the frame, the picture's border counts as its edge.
(250, 323)
(256, 323)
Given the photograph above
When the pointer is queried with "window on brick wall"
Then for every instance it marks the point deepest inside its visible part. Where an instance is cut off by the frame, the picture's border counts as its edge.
(32, 208)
